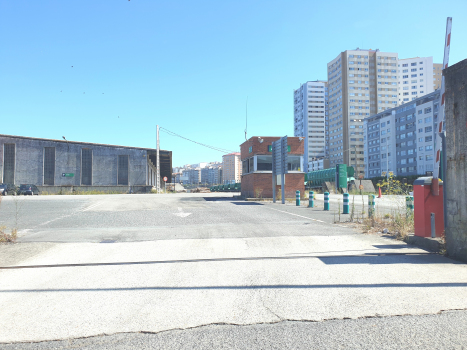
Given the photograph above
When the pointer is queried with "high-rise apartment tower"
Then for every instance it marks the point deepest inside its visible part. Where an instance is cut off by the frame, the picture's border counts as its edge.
(310, 118)
(360, 83)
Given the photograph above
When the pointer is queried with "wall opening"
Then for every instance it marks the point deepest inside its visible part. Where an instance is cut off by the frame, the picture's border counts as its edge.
(122, 176)
(49, 166)
(86, 166)
(9, 155)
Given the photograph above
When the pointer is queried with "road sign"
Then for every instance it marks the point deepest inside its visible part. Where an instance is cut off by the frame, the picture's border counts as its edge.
(68, 174)
(360, 187)
(279, 156)
(341, 171)
(165, 178)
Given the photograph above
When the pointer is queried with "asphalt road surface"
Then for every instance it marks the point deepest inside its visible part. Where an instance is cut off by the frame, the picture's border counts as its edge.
(209, 271)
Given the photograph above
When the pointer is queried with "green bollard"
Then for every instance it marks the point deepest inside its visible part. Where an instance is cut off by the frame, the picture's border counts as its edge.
(297, 198)
(326, 200)
(311, 201)
(346, 203)
(371, 205)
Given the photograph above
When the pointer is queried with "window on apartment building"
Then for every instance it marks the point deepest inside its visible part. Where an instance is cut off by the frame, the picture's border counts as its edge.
(49, 166)
(428, 129)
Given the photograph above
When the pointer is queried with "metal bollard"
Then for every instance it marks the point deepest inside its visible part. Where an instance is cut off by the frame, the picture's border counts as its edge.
(409, 205)
(297, 198)
(326, 200)
(433, 226)
(346, 203)
(311, 200)
(371, 205)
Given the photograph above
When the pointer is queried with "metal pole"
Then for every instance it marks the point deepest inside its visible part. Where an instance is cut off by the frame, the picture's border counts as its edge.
(158, 175)
(283, 187)
(274, 183)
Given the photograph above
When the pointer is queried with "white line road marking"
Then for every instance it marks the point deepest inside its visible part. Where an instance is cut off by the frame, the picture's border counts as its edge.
(181, 213)
(92, 206)
(304, 217)
(296, 215)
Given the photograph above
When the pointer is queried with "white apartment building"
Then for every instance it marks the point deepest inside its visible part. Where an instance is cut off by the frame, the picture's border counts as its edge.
(310, 116)
(414, 78)
(231, 168)
(360, 83)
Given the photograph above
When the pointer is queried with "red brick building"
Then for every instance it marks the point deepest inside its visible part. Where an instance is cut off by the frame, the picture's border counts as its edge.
(256, 156)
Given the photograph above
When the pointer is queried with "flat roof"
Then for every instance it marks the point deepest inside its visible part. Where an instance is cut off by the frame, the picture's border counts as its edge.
(78, 142)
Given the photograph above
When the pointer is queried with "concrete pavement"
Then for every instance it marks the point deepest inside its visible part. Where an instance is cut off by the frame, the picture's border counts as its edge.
(226, 262)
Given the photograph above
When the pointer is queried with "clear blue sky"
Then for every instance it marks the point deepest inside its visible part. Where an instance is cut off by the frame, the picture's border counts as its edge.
(190, 65)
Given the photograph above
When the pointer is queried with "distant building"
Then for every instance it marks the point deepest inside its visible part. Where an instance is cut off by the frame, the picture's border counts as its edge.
(191, 176)
(52, 164)
(310, 118)
(256, 155)
(231, 168)
(414, 78)
(211, 175)
(437, 75)
(318, 164)
(401, 140)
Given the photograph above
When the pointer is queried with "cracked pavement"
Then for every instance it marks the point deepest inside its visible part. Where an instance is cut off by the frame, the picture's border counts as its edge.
(227, 263)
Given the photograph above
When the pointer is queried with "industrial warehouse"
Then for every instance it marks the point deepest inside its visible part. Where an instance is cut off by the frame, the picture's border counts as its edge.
(62, 165)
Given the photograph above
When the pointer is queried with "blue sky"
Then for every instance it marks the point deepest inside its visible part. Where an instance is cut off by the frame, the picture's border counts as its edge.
(189, 66)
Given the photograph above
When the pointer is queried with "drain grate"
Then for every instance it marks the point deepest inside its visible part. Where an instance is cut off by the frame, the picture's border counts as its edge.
(108, 241)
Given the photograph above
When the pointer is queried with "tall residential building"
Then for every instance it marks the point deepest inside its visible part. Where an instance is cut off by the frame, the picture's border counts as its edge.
(360, 83)
(211, 175)
(401, 140)
(231, 168)
(414, 78)
(310, 117)
(437, 75)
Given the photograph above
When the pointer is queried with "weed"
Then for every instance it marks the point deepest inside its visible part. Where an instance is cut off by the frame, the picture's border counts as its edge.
(339, 208)
(352, 213)
(258, 193)
(8, 237)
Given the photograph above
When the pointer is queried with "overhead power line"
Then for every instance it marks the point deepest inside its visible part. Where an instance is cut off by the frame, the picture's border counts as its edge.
(198, 143)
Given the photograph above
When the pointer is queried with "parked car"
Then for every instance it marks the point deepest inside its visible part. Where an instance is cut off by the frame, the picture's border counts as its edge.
(6, 189)
(28, 189)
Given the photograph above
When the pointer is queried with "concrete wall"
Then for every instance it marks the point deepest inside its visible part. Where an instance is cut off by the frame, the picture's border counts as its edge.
(456, 173)
(30, 162)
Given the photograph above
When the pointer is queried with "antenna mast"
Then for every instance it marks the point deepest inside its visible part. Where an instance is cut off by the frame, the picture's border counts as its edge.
(246, 118)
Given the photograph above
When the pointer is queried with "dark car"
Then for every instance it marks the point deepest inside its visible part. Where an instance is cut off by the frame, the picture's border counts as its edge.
(6, 189)
(28, 189)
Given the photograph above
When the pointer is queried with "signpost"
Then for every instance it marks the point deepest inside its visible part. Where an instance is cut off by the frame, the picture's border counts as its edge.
(341, 173)
(165, 183)
(279, 165)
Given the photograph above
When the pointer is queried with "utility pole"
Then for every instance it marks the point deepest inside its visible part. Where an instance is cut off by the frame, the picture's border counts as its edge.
(158, 165)
(355, 148)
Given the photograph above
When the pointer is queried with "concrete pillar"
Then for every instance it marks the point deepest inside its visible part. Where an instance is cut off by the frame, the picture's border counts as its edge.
(456, 152)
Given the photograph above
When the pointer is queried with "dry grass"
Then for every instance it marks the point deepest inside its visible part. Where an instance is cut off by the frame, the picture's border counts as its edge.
(8, 237)
(397, 224)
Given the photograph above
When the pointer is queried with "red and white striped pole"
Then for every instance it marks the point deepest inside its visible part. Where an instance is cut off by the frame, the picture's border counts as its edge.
(441, 128)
